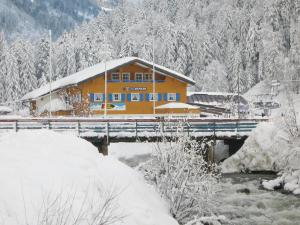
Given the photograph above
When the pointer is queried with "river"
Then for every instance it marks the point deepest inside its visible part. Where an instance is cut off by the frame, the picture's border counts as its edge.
(243, 202)
(258, 207)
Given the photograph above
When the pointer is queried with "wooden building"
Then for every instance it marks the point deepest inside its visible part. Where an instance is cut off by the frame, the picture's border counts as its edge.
(129, 90)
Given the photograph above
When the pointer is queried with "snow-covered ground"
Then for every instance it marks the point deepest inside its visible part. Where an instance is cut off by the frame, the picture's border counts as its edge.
(265, 149)
(258, 207)
(132, 154)
(270, 146)
(46, 175)
(289, 181)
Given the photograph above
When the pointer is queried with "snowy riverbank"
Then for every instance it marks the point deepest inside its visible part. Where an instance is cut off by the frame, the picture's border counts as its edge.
(274, 145)
(266, 149)
(59, 177)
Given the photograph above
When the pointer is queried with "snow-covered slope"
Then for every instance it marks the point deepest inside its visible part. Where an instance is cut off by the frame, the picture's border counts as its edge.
(264, 88)
(265, 149)
(45, 175)
(31, 18)
(270, 146)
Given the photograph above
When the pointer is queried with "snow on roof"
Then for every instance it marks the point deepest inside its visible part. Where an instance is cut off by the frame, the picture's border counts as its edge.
(212, 93)
(177, 105)
(5, 109)
(99, 69)
(214, 98)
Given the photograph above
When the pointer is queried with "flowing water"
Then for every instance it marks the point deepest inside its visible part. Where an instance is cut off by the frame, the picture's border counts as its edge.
(243, 202)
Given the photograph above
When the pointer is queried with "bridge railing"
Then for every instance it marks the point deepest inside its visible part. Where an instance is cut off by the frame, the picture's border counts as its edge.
(133, 127)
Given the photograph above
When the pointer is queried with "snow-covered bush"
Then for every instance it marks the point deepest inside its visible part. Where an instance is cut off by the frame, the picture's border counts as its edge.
(97, 207)
(183, 177)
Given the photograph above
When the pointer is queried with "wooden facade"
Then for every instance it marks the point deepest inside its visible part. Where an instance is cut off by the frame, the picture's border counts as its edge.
(129, 91)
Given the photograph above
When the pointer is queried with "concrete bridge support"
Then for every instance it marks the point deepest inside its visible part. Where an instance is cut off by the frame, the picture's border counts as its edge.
(101, 144)
(103, 147)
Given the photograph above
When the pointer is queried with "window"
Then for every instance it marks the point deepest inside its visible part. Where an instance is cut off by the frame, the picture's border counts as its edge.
(151, 97)
(98, 97)
(139, 76)
(171, 97)
(126, 76)
(115, 76)
(135, 97)
(116, 97)
(148, 76)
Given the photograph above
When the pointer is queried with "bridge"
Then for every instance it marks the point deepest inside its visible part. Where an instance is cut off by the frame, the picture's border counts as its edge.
(101, 132)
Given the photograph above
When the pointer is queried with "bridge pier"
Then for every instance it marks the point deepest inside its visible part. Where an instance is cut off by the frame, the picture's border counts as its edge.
(101, 144)
(103, 147)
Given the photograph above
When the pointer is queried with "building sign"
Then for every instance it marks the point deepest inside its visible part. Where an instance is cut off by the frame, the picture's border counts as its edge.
(136, 88)
(97, 106)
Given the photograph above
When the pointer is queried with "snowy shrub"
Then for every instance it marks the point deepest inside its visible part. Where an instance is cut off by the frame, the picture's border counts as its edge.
(183, 176)
(95, 207)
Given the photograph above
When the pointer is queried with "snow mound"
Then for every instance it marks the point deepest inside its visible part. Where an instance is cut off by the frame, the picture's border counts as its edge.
(265, 149)
(46, 175)
(130, 150)
(289, 181)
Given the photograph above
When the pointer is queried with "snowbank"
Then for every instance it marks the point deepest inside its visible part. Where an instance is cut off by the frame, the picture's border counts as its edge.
(130, 150)
(288, 181)
(46, 175)
(269, 146)
(266, 148)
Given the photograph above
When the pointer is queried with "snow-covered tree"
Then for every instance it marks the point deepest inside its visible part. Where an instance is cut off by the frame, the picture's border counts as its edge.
(24, 54)
(42, 61)
(183, 176)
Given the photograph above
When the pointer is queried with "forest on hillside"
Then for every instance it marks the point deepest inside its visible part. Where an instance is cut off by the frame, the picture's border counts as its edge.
(215, 42)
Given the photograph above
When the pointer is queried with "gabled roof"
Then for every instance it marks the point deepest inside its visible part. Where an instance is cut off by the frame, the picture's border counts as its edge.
(99, 69)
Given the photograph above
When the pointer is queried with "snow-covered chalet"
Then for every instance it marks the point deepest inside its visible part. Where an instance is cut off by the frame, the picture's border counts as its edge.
(129, 91)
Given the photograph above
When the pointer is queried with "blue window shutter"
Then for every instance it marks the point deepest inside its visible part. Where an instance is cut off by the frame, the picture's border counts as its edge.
(103, 97)
(110, 97)
(129, 97)
(159, 97)
(177, 97)
(166, 97)
(147, 97)
(123, 97)
(141, 97)
(91, 97)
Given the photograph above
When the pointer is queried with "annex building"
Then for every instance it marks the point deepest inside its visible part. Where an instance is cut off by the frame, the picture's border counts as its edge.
(129, 88)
